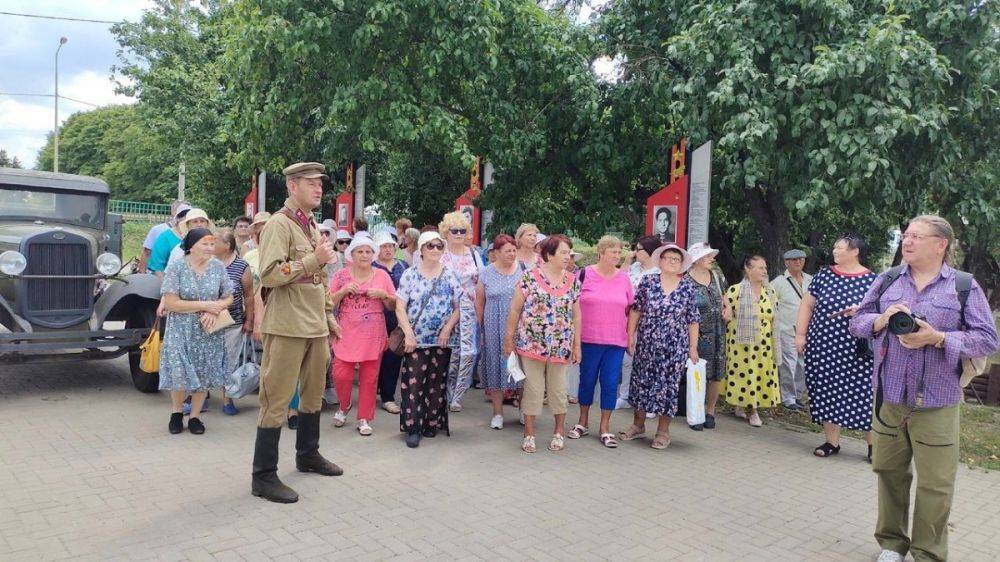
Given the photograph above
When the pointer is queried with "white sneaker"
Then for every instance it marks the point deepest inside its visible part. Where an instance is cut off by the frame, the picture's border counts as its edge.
(390, 407)
(754, 419)
(740, 412)
(521, 420)
(456, 407)
(497, 422)
(364, 428)
(339, 418)
(890, 556)
(330, 396)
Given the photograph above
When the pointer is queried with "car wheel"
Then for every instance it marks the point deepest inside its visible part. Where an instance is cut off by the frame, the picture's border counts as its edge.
(143, 317)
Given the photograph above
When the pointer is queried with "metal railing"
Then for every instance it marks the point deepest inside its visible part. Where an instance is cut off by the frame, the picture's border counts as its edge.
(137, 210)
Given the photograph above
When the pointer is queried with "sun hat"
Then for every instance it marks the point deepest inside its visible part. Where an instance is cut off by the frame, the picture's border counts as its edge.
(181, 209)
(323, 227)
(358, 242)
(384, 238)
(795, 255)
(193, 214)
(428, 236)
(330, 224)
(686, 257)
(343, 235)
(539, 238)
(699, 250)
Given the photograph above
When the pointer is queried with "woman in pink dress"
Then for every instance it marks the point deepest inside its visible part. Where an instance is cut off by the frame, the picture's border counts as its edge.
(361, 294)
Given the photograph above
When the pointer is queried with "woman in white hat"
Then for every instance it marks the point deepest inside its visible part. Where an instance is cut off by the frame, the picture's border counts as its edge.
(715, 313)
(662, 336)
(427, 307)
(361, 294)
(196, 218)
(388, 373)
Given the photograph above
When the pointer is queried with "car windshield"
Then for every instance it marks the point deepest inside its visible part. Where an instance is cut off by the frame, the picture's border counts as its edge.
(58, 206)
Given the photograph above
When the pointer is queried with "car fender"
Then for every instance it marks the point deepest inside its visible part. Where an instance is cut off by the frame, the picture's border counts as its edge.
(121, 296)
(9, 318)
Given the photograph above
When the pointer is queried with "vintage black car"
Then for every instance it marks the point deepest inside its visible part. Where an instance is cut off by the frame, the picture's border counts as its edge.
(62, 292)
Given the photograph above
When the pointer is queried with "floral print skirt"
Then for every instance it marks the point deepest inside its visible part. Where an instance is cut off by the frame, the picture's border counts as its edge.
(424, 382)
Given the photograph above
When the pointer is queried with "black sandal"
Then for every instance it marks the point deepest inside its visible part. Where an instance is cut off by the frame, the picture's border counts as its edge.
(826, 450)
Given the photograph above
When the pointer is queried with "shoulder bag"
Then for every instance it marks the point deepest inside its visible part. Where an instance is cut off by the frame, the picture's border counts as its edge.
(397, 338)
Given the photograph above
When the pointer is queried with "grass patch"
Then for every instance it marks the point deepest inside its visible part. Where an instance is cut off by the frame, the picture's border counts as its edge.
(979, 437)
(133, 233)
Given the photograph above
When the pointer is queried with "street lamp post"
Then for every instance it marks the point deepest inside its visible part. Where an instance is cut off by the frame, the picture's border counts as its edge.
(55, 124)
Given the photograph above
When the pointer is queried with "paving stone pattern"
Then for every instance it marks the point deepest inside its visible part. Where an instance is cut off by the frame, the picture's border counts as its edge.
(88, 471)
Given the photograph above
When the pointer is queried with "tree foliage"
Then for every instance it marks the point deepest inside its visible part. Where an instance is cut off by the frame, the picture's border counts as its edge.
(8, 161)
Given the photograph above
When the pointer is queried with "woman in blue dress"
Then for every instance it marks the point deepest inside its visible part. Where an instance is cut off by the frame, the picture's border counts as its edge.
(662, 335)
(838, 366)
(195, 291)
(494, 294)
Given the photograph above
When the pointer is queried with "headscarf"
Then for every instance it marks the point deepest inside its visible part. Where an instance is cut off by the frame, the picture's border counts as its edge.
(193, 237)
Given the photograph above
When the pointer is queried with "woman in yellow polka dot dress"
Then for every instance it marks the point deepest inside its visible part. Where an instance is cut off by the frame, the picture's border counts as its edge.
(751, 369)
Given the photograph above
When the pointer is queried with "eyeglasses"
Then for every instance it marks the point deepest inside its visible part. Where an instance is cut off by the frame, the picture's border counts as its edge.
(434, 246)
(909, 235)
(672, 259)
(458, 231)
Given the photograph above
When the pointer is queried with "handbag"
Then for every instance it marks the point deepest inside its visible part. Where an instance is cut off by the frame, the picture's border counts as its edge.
(223, 320)
(397, 339)
(514, 370)
(149, 359)
(246, 377)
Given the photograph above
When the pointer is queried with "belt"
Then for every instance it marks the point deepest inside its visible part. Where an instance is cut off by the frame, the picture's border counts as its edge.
(314, 279)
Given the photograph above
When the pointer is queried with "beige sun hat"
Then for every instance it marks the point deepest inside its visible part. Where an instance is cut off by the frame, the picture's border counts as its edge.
(686, 257)
(194, 214)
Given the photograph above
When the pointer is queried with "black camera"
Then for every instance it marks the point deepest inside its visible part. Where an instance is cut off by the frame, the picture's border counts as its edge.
(902, 323)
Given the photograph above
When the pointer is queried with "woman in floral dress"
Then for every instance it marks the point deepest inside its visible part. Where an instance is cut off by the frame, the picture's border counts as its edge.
(544, 328)
(195, 289)
(715, 312)
(465, 263)
(663, 334)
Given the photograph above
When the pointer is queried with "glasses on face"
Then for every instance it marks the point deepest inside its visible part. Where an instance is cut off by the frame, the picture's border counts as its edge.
(672, 259)
(458, 231)
(918, 237)
(434, 246)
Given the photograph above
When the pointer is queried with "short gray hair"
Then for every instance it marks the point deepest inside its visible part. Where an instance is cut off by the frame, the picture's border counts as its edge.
(941, 227)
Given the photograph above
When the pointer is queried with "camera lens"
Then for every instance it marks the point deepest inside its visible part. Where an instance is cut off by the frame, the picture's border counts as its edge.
(902, 323)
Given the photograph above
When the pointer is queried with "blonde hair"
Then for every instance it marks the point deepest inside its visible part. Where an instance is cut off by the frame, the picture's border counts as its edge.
(454, 219)
(940, 227)
(523, 229)
(607, 242)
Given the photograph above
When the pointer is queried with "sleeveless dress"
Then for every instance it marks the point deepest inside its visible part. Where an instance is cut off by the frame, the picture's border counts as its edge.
(838, 378)
(499, 294)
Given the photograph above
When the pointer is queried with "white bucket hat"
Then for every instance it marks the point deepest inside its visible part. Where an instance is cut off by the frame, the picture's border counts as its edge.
(686, 257)
(383, 238)
(699, 250)
(426, 237)
(358, 242)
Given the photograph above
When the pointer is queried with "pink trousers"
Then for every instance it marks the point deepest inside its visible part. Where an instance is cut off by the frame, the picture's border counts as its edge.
(343, 382)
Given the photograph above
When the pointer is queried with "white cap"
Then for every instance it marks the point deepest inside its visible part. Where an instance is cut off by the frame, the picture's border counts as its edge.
(181, 208)
(384, 238)
(323, 227)
(426, 237)
(358, 242)
(539, 238)
(699, 250)
(343, 235)
(330, 224)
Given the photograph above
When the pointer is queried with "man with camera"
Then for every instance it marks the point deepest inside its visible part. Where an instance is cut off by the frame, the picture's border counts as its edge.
(922, 327)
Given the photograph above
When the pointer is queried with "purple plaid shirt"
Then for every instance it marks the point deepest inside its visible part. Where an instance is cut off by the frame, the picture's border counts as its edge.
(938, 302)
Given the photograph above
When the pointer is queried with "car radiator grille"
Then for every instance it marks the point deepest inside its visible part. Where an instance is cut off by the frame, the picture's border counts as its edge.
(59, 294)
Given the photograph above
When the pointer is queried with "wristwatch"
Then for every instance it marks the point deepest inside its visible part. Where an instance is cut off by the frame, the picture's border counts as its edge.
(940, 343)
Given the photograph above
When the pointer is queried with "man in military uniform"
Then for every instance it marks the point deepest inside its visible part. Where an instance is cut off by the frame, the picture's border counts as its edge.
(298, 318)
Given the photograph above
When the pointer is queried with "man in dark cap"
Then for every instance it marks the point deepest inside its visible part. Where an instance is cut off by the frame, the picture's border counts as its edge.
(790, 287)
(298, 318)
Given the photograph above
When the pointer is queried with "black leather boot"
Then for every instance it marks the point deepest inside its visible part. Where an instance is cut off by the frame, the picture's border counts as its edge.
(307, 457)
(265, 468)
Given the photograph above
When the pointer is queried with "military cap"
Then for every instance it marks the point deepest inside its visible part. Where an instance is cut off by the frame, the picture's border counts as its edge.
(307, 170)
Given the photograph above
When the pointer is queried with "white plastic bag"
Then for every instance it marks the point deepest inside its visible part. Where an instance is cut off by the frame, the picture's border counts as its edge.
(514, 370)
(696, 392)
(246, 377)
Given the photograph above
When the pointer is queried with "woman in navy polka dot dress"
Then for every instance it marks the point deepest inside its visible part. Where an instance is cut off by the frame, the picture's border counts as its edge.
(838, 366)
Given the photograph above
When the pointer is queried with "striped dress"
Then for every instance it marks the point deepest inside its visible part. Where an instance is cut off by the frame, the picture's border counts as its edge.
(235, 272)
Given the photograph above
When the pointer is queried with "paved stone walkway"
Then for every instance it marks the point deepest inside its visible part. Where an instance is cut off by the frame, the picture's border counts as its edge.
(88, 471)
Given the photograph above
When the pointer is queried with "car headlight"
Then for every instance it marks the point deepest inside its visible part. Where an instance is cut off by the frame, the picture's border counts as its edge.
(108, 264)
(13, 263)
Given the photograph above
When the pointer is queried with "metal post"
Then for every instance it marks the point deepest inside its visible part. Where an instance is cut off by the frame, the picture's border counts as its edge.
(55, 122)
(180, 183)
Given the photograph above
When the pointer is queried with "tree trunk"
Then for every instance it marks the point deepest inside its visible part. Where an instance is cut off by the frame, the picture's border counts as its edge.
(727, 259)
(985, 268)
(770, 216)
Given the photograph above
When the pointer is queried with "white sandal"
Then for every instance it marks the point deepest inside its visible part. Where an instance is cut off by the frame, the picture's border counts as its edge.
(577, 432)
(529, 444)
(557, 443)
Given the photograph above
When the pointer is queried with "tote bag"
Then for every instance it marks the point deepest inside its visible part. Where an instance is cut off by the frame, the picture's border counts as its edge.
(149, 360)
(696, 392)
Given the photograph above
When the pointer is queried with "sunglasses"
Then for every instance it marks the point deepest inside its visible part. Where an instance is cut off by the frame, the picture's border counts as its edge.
(458, 231)
(434, 246)
(344, 242)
